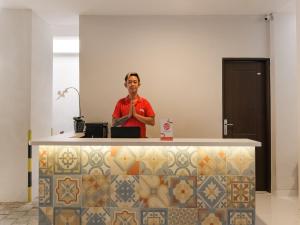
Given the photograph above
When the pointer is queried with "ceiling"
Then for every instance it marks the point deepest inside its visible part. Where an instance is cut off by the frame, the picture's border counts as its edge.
(65, 12)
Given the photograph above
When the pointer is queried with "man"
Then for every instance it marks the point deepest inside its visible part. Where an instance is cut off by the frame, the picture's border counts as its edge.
(133, 110)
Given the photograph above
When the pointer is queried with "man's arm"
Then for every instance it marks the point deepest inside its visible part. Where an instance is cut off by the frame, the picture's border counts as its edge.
(145, 120)
(150, 120)
(119, 121)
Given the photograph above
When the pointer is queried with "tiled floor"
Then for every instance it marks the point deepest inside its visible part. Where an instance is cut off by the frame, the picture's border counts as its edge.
(18, 213)
(270, 210)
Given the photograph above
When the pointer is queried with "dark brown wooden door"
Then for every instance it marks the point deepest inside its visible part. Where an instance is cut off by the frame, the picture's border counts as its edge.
(246, 107)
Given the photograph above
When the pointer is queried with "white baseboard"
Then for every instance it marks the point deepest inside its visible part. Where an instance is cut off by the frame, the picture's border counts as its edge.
(286, 193)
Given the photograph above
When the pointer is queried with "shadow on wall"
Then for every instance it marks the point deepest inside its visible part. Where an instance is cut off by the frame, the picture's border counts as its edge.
(259, 221)
(295, 174)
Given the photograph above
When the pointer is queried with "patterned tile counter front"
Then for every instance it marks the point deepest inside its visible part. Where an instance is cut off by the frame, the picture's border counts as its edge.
(146, 185)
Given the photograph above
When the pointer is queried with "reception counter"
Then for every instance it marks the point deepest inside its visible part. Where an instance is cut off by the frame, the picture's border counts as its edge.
(146, 181)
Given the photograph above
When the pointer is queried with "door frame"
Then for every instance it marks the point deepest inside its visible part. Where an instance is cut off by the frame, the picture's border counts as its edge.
(266, 61)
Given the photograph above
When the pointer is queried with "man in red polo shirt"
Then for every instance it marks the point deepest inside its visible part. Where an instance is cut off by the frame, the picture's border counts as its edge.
(133, 110)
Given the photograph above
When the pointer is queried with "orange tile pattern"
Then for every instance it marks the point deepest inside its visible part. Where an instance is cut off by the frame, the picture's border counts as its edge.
(136, 185)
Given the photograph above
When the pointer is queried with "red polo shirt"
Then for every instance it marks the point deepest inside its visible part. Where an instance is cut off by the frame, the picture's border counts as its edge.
(142, 107)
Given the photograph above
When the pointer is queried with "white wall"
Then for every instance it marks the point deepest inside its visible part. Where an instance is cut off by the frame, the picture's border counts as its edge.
(284, 102)
(24, 69)
(65, 74)
(41, 88)
(179, 59)
(15, 59)
(298, 82)
(65, 30)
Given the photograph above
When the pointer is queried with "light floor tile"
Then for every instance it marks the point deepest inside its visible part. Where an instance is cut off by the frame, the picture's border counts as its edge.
(273, 210)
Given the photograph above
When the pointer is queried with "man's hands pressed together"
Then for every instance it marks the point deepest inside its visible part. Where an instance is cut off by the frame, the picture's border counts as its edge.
(132, 111)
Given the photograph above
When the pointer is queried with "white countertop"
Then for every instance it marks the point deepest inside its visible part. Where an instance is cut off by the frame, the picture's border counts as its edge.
(74, 139)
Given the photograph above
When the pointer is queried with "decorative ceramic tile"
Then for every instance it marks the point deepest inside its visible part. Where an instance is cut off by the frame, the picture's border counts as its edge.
(182, 161)
(95, 216)
(95, 190)
(67, 160)
(125, 160)
(125, 217)
(182, 191)
(67, 191)
(241, 217)
(95, 160)
(211, 161)
(180, 216)
(66, 216)
(154, 217)
(45, 191)
(46, 160)
(211, 192)
(153, 161)
(124, 191)
(212, 217)
(241, 161)
(46, 215)
(240, 192)
(153, 191)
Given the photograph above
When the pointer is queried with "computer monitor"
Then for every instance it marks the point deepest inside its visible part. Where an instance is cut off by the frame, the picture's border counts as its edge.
(125, 132)
(95, 130)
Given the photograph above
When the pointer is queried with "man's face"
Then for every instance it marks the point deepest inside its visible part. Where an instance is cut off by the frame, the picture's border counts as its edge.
(132, 84)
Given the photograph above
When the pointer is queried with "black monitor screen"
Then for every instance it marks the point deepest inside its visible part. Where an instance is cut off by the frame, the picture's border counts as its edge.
(125, 132)
(96, 130)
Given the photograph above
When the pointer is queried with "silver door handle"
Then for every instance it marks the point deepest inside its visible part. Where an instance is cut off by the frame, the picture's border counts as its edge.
(226, 124)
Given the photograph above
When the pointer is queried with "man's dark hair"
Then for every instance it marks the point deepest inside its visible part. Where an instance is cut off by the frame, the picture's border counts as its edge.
(132, 74)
